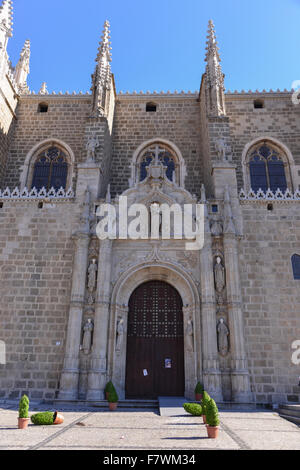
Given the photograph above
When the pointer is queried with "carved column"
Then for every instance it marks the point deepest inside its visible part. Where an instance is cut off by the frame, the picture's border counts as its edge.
(70, 373)
(211, 371)
(98, 372)
(241, 390)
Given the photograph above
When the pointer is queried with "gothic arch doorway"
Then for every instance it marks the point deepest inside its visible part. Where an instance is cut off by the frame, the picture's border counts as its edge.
(155, 342)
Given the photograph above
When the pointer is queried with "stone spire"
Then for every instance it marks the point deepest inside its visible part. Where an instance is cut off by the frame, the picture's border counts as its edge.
(6, 22)
(214, 76)
(22, 68)
(101, 79)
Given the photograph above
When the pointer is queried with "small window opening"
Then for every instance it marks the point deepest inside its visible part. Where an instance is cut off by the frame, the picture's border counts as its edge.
(43, 108)
(41, 205)
(270, 207)
(259, 104)
(151, 108)
(1, 205)
(215, 208)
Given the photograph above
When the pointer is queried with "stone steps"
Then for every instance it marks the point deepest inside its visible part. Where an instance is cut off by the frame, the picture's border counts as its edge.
(290, 412)
(141, 404)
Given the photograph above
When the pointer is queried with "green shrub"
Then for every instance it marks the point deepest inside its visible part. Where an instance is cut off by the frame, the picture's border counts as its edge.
(43, 419)
(212, 413)
(199, 388)
(110, 387)
(193, 409)
(205, 400)
(24, 407)
(113, 397)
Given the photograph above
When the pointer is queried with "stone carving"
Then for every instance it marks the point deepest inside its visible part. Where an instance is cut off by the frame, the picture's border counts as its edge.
(223, 337)
(221, 149)
(120, 334)
(92, 275)
(91, 146)
(219, 272)
(87, 336)
(189, 335)
(216, 228)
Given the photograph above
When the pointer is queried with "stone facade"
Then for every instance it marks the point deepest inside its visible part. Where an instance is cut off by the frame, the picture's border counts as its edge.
(64, 292)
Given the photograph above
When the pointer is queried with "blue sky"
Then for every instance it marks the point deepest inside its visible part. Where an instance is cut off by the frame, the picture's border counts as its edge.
(159, 44)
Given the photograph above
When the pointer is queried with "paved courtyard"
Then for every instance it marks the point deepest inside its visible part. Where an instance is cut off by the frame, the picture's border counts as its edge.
(86, 429)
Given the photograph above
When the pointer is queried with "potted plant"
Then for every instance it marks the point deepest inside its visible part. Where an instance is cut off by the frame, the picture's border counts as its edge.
(193, 409)
(47, 418)
(199, 391)
(212, 419)
(23, 419)
(205, 400)
(113, 400)
(108, 389)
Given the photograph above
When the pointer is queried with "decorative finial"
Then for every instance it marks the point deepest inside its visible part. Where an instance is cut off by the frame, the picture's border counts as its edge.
(43, 90)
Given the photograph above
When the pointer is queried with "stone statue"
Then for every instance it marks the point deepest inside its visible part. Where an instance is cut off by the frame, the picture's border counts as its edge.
(87, 336)
(219, 272)
(92, 144)
(221, 149)
(223, 337)
(190, 336)
(120, 334)
(92, 275)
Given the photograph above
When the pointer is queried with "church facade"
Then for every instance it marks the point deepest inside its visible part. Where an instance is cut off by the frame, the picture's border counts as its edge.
(153, 317)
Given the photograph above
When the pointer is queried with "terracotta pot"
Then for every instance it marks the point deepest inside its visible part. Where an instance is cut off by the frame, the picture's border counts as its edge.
(23, 423)
(58, 418)
(212, 431)
(198, 397)
(113, 406)
(204, 419)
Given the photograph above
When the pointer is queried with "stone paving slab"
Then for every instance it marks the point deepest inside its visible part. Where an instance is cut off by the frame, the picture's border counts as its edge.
(90, 429)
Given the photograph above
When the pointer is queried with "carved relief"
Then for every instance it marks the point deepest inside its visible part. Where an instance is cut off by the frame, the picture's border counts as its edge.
(216, 228)
(189, 336)
(120, 334)
(92, 144)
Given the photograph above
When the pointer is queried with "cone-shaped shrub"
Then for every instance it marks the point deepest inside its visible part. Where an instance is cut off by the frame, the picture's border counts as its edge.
(43, 419)
(113, 397)
(24, 407)
(110, 387)
(205, 400)
(212, 413)
(193, 409)
(199, 388)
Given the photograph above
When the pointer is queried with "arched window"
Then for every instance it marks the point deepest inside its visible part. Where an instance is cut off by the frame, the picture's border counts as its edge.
(164, 155)
(268, 168)
(50, 169)
(296, 266)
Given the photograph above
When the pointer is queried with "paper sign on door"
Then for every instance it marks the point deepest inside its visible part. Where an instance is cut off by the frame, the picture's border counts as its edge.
(145, 372)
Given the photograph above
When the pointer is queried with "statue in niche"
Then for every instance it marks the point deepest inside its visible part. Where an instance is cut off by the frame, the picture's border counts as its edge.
(120, 334)
(221, 149)
(219, 272)
(87, 336)
(223, 337)
(92, 275)
(190, 336)
(91, 146)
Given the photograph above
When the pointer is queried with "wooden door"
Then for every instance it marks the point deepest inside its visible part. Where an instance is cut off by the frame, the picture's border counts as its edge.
(155, 349)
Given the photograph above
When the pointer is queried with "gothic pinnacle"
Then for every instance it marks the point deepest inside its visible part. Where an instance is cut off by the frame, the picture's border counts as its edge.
(104, 47)
(22, 68)
(6, 15)
(211, 43)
